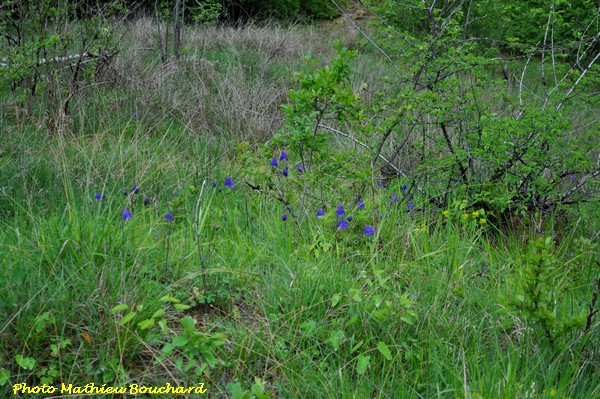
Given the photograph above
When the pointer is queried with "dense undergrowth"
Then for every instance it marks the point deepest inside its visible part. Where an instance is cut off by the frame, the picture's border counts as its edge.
(148, 236)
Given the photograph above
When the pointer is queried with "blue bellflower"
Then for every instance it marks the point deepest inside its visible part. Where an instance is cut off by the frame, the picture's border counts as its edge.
(369, 230)
(283, 156)
(126, 215)
(320, 213)
(169, 217)
(340, 211)
(361, 204)
(228, 182)
(274, 163)
(342, 224)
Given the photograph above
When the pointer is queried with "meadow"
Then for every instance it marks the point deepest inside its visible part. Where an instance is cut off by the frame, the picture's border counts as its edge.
(137, 246)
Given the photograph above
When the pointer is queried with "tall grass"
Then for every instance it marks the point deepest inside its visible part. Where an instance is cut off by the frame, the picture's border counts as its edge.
(420, 309)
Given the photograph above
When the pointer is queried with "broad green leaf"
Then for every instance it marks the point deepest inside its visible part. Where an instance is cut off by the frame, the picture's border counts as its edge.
(4, 376)
(119, 308)
(28, 363)
(163, 326)
(180, 341)
(188, 324)
(362, 363)
(146, 324)
(127, 318)
(384, 350)
(170, 299)
(335, 300)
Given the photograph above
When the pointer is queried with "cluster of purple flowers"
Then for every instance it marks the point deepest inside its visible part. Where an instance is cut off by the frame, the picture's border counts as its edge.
(343, 221)
(126, 214)
(285, 171)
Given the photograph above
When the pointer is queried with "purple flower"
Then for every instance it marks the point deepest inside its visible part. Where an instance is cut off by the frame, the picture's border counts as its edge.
(369, 230)
(283, 156)
(274, 163)
(349, 218)
(135, 189)
(214, 183)
(361, 204)
(285, 171)
(394, 198)
(126, 215)
(284, 217)
(169, 217)
(100, 196)
(403, 188)
(146, 201)
(300, 169)
(342, 224)
(410, 206)
(320, 213)
(573, 177)
(134, 115)
(380, 184)
(340, 211)
(467, 148)
(228, 182)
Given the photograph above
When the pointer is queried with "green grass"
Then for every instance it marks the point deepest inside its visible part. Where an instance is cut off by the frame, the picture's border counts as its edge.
(424, 305)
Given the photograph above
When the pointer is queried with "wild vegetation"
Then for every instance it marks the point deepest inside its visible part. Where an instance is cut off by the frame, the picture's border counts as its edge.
(401, 205)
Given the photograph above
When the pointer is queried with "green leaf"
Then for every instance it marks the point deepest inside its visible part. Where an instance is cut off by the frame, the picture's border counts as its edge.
(357, 346)
(168, 349)
(119, 308)
(170, 299)
(180, 341)
(335, 300)
(27, 363)
(146, 324)
(4, 376)
(181, 306)
(384, 350)
(188, 324)
(127, 318)
(158, 313)
(362, 363)
(163, 326)
(237, 392)
(334, 339)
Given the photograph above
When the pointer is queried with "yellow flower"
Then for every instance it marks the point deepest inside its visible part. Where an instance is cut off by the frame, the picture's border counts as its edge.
(465, 216)
(482, 221)
(475, 214)
(446, 213)
(552, 392)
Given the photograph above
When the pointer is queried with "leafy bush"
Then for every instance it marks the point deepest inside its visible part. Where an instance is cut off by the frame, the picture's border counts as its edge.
(509, 154)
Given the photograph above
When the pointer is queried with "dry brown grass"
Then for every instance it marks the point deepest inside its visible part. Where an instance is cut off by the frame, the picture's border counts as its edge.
(227, 81)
